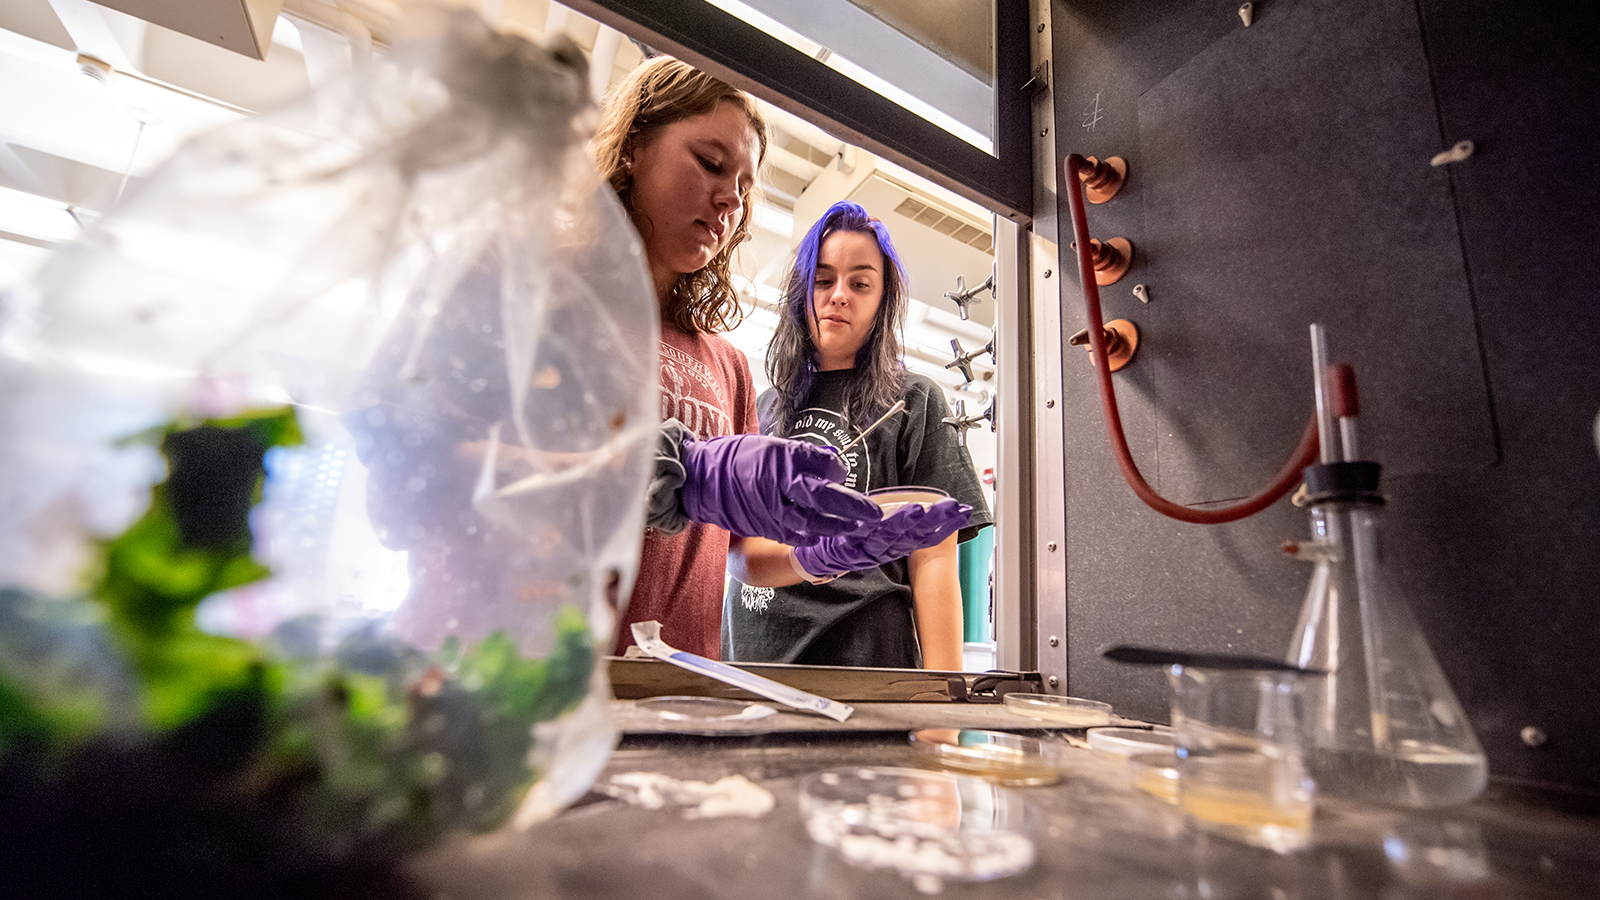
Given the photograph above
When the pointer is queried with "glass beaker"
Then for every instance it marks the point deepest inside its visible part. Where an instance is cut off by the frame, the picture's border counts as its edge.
(1240, 755)
(1383, 725)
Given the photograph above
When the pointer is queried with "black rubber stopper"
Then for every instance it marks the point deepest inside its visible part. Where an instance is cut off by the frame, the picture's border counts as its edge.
(1343, 481)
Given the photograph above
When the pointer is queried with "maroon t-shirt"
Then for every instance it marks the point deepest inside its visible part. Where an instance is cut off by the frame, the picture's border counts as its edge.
(706, 385)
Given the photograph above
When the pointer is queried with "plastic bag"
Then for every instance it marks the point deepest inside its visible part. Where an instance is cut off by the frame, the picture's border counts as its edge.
(420, 259)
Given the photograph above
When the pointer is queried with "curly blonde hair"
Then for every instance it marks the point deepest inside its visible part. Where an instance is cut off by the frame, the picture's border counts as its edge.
(656, 94)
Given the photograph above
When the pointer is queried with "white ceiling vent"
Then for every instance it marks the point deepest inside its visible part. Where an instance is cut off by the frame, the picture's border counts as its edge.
(946, 224)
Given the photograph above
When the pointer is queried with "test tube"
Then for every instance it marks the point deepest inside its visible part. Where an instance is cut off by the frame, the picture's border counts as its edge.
(1327, 437)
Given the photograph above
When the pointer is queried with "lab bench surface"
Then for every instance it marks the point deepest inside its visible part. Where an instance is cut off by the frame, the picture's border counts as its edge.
(1095, 837)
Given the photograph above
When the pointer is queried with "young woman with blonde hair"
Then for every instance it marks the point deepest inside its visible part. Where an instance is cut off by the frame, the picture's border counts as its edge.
(683, 150)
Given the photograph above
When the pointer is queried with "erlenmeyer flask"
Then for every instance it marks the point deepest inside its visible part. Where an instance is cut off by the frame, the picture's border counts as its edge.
(1384, 726)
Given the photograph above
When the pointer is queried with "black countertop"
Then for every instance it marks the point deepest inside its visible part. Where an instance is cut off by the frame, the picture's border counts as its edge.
(1095, 836)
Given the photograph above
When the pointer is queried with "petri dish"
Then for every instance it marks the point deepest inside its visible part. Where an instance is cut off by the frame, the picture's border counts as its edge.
(707, 715)
(928, 826)
(1156, 774)
(1128, 741)
(892, 498)
(994, 755)
(1063, 712)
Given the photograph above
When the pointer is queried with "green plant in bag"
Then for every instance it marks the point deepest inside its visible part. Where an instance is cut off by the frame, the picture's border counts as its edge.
(405, 745)
(380, 747)
(193, 541)
(68, 665)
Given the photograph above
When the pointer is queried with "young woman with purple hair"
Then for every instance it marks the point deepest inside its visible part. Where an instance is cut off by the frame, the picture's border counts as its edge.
(835, 367)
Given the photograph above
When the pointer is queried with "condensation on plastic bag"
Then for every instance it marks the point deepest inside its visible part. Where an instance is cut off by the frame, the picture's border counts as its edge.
(422, 259)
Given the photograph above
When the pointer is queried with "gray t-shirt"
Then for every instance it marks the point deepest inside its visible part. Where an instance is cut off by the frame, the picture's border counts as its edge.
(863, 618)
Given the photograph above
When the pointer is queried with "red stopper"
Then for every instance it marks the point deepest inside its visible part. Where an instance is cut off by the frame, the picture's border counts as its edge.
(1343, 380)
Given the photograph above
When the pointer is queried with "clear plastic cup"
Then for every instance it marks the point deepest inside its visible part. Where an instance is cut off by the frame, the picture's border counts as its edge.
(1241, 761)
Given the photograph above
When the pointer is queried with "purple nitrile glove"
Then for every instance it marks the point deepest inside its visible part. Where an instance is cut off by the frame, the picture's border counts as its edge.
(911, 527)
(759, 486)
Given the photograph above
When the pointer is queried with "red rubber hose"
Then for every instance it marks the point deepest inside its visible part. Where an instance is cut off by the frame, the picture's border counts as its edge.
(1289, 476)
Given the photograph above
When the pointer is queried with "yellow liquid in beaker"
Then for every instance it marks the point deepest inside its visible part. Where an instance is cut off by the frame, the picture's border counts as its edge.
(1245, 810)
(1161, 783)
